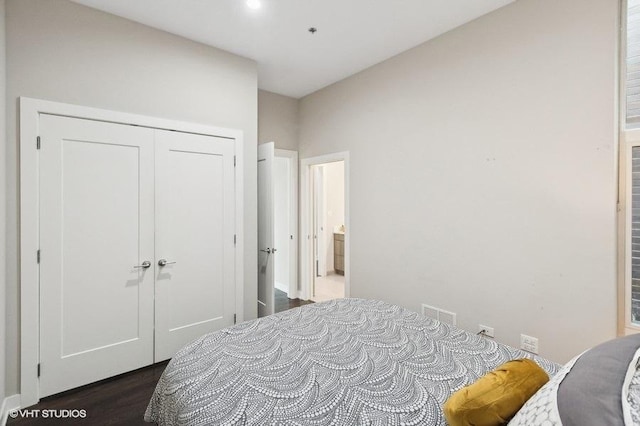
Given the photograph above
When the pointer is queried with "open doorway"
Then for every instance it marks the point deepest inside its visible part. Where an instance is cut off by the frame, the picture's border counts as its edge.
(329, 230)
(325, 228)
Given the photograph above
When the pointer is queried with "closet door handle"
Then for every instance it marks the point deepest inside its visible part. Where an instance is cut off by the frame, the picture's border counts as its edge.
(268, 250)
(146, 264)
(164, 262)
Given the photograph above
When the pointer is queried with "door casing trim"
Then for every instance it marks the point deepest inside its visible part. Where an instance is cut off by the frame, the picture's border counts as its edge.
(306, 222)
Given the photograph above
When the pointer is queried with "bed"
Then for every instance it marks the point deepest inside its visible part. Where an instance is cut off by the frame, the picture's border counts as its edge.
(343, 362)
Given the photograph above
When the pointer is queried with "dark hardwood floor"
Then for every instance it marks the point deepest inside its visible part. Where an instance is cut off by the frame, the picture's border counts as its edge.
(121, 400)
(283, 302)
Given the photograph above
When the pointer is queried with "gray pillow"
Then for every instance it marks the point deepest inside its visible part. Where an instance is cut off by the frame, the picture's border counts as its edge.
(591, 394)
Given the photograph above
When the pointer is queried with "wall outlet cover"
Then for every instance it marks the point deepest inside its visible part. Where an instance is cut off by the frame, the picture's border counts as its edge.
(529, 343)
(488, 331)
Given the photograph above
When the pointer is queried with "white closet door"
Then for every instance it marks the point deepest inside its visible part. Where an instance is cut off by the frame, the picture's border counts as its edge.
(195, 208)
(96, 226)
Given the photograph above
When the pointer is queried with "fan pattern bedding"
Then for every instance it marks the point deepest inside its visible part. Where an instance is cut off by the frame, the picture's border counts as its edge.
(348, 361)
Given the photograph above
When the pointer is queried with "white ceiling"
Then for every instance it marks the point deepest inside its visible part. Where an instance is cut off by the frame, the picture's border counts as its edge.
(352, 34)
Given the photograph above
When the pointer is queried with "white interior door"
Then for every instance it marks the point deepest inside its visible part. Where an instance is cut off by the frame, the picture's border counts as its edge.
(96, 230)
(290, 240)
(195, 247)
(266, 251)
(282, 218)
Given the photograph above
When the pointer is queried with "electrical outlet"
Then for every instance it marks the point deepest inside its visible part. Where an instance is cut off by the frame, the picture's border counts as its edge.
(529, 343)
(485, 330)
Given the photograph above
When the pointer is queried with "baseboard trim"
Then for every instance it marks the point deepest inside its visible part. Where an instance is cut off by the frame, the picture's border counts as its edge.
(293, 292)
(10, 403)
(282, 287)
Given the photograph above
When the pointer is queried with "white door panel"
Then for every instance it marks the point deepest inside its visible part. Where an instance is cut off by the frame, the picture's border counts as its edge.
(266, 238)
(195, 222)
(282, 218)
(112, 197)
(96, 209)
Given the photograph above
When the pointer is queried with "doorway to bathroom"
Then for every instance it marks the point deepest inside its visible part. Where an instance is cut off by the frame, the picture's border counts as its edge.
(325, 230)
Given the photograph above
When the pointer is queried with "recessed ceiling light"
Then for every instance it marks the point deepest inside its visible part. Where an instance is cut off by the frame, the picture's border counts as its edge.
(253, 4)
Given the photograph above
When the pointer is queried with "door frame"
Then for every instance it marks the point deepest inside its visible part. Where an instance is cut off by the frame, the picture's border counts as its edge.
(306, 222)
(30, 110)
(292, 156)
(319, 203)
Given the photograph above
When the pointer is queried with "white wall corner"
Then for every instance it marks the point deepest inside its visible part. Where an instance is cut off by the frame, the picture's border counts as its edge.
(8, 404)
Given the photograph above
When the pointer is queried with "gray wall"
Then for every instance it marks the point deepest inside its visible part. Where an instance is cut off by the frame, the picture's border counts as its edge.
(278, 120)
(483, 173)
(61, 51)
(3, 133)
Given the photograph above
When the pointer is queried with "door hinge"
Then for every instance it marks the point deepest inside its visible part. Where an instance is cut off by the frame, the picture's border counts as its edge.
(38, 369)
(235, 239)
(234, 161)
(38, 142)
(38, 256)
(234, 319)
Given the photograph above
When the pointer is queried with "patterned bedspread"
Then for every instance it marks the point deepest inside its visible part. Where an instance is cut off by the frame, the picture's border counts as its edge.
(343, 362)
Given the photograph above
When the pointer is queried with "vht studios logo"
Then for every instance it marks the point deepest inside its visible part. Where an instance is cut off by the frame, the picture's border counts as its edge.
(48, 414)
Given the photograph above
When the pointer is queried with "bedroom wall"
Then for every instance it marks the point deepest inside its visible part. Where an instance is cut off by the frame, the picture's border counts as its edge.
(483, 173)
(62, 51)
(278, 120)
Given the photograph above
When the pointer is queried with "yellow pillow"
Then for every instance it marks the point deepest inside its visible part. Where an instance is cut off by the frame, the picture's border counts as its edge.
(497, 396)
